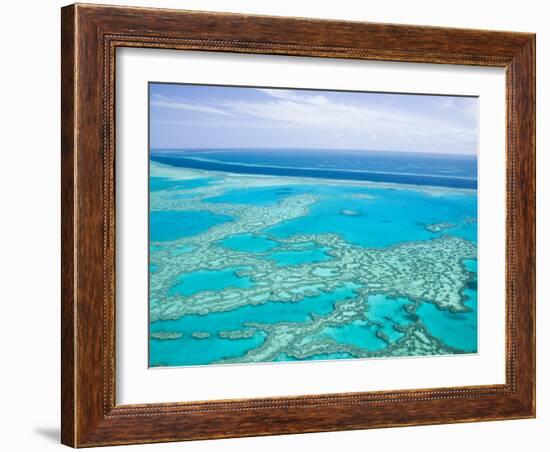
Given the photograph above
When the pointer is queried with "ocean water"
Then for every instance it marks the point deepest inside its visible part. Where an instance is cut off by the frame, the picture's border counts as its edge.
(192, 283)
(166, 225)
(188, 350)
(191, 351)
(163, 183)
(459, 330)
(391, 216)
(396, 167)
(259, 196)
(297, 257)
(430, 198)
(358, 333)
(249, 243)
(270, 312)
(388, 313)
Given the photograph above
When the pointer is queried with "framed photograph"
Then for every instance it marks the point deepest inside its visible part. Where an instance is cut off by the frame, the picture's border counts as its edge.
(281, 225)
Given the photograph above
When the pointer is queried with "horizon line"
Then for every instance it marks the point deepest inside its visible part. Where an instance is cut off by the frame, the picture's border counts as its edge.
(474, 154)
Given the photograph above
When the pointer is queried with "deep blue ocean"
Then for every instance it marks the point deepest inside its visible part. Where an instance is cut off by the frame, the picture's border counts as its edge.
(457, 171)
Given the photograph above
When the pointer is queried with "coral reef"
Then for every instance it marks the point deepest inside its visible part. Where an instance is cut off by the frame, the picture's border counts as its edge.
(430, 271)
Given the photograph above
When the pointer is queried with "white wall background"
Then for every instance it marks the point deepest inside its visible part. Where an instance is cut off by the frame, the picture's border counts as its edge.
(29, 250)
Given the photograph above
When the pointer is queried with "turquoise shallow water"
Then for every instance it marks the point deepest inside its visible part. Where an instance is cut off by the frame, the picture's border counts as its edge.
(384, 315)
(176, 251)
(358, 333)
(270, 312)
(171, 225)
(192, 283)
(391, 217)
(260, 196)
(163, 183)
(458, 330)
(389, 312)
(249, 243)
(284, 357)
(191, 351)
(304, 256)
(367, 217)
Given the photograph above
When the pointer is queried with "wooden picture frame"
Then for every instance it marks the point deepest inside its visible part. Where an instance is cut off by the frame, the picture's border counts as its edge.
(90, 36)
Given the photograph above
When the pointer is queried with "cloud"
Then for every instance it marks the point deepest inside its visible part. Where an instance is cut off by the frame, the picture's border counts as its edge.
(166, 102)
(446, 125)
(286, 94)
(317, 111)
(462, 106)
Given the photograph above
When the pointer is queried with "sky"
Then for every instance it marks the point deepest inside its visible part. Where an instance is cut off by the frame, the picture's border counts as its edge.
(200, 116)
